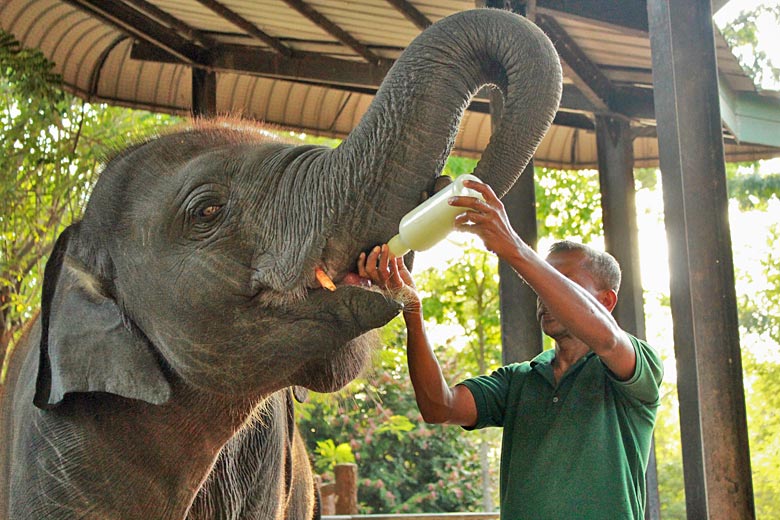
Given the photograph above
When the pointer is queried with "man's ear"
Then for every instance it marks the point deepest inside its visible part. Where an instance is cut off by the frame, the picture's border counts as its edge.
(85, 344)
(608, 298)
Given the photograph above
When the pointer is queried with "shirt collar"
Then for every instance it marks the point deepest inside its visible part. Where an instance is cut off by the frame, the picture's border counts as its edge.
(542, 364)
(545, 358)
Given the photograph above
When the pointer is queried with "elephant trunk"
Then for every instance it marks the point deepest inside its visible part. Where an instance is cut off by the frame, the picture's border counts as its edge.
(405, 137)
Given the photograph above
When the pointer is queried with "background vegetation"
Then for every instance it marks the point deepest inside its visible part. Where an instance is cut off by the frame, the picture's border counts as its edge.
(53, 145)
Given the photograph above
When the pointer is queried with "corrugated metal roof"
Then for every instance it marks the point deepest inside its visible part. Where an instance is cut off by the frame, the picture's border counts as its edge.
(92, 47)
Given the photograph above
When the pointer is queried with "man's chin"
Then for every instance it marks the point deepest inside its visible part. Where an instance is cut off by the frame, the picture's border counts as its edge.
(552, 329)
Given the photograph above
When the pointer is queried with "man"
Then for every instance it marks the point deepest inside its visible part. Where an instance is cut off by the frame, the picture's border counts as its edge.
(578, 419)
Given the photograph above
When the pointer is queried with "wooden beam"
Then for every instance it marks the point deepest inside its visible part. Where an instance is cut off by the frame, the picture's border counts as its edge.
(614, 143)
(585, 74)
(247, 26)
(562, 118)
(630, 14)
(633, 102)
(301, 67)
(204, 93)
(173, 22)
(713, 424)
(717, 5)
(324, 70)
(334, 30)
(521, 336)
(411, 13)
(134, 23)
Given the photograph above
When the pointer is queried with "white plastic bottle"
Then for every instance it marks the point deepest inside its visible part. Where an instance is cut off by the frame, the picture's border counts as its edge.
(431, 221)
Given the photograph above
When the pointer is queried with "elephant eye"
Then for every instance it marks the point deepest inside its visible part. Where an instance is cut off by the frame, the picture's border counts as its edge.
(210, 211)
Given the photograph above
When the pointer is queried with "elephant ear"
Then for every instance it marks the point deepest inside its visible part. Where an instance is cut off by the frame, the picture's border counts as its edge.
(85, 344)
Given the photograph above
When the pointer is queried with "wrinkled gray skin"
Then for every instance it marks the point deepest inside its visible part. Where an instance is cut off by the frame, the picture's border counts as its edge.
(181, 307)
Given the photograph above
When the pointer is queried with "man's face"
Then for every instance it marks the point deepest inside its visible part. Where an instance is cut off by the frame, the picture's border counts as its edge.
(571, 265)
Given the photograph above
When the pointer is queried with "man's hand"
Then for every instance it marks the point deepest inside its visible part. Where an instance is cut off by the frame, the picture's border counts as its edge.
(488, 220)
(390, 273)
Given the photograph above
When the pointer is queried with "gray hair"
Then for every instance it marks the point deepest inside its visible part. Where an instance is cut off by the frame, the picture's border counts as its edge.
(600, 264)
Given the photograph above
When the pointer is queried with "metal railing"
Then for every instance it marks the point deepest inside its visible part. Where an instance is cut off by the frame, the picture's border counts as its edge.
(339, 501)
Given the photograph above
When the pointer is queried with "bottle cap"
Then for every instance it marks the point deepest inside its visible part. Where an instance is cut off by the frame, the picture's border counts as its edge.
(397, 246)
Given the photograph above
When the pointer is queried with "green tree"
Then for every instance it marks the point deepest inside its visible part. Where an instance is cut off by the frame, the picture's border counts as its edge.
(759, 311)
(404, 465)
(751, 189)
(52, 146)
(465, 292)
(568, 204)
(742, 37)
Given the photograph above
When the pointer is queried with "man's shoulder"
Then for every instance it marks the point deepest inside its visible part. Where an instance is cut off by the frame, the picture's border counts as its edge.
(513, 369)
(648, 374)
(544, 358)
(505, 373)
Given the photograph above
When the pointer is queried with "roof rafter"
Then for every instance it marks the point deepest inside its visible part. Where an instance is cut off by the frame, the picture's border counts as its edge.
(173, 22)
(334, 30)
(585, 74)
(302, 66)
(138, 25)
(247, 26)
(411, 13)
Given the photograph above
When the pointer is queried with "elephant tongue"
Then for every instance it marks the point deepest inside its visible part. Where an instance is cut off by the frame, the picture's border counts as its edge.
(355, 279)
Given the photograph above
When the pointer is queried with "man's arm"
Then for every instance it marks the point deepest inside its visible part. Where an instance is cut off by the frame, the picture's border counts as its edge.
(585, 316)
(437, 401)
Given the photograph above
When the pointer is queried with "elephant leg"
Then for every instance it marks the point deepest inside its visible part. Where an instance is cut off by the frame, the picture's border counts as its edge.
(303, 500)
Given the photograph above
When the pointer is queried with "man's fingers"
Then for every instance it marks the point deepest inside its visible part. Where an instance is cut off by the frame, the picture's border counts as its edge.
(361, 266)
(395, 280)
(484, 189)
(465, 202)
(383, 259)
(371, 267)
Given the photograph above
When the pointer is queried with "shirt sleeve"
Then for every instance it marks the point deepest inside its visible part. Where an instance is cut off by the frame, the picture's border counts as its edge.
(644, 385)
(491, 394)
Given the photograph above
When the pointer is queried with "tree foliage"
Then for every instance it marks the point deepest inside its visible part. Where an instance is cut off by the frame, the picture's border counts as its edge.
(759, 317)
(749, 188)
(404, 465)
(568, 204)
(52, 147)
(742, 37)
(465, 292)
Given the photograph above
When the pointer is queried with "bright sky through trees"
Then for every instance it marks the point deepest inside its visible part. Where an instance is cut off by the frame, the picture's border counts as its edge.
(767, 29)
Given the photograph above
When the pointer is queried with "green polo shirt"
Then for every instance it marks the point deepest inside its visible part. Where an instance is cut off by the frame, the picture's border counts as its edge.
(577, 449)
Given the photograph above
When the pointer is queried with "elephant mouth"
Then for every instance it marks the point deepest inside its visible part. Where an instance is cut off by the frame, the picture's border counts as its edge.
(350, 278)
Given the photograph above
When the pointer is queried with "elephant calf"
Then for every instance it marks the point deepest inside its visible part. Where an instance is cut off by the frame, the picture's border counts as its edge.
(178, 312)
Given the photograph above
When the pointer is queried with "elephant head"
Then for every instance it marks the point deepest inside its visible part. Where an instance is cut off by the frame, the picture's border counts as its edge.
(196, 255)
